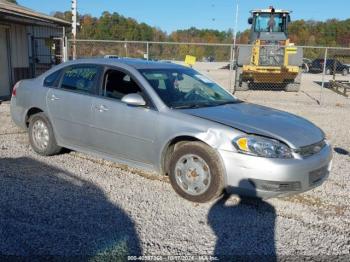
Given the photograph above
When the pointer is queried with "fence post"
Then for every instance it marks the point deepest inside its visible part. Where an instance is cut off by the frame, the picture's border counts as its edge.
(147, 50)
(74, 49)
(126, 49)
(64, 49)
(323, 74)
(231, 89)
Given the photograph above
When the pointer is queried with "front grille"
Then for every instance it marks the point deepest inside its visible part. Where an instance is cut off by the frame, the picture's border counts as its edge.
(275, 186)
(310, 150)
(317, 176)
(271, 56)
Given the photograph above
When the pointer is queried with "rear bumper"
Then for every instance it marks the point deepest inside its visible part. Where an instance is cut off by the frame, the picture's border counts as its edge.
(266, 178)
(17, 114)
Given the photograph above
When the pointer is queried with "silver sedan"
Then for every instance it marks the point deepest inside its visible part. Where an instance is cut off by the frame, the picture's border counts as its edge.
(173, 120)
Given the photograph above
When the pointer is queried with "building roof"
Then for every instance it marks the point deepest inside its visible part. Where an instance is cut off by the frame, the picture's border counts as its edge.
(8, 8)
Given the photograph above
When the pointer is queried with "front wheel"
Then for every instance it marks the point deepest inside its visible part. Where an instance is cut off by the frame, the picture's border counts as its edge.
(196, 172)
(345, 72)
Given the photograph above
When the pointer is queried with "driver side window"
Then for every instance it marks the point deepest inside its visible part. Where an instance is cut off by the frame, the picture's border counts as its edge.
(117, 84)
(185, 83)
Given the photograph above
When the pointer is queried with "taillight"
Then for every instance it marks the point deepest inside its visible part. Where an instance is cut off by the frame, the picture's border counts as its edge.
(14, 90)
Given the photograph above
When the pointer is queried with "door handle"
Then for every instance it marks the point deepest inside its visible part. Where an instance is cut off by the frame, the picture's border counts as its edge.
(54, 98)
(102, 108)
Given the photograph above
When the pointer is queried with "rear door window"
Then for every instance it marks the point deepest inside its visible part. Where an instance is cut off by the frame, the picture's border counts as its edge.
(81, 79)
(53, 79)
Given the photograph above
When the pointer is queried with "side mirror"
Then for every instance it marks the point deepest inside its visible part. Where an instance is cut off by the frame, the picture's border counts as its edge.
(250, 20)
(134, 100)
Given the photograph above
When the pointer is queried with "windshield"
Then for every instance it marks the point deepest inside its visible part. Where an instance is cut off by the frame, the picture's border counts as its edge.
(186, 88)
(269, 23)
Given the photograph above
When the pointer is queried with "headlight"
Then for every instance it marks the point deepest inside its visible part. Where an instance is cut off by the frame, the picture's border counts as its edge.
(263, 147)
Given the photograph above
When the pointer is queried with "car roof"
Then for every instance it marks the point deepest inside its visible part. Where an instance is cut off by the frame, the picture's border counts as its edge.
(135, 63)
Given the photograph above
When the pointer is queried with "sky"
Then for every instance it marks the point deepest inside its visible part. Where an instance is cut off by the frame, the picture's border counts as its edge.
(170, 15)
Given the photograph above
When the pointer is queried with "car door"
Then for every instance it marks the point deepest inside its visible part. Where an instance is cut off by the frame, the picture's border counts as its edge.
(70, 103)
(119, 130)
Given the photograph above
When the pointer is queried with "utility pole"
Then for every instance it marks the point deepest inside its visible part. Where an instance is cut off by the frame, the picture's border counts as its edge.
(74, 27)
(233, 49)
(235, 32)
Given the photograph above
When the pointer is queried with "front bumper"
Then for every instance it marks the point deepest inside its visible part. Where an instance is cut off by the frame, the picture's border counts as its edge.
(266, 177)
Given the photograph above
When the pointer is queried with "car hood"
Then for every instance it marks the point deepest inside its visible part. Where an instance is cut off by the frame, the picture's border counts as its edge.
(254, 119)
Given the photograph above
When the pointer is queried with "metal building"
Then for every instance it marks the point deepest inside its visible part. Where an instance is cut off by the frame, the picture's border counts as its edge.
(30, 43)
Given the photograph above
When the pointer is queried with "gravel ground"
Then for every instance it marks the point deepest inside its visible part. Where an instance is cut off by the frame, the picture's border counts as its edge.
(74, 204)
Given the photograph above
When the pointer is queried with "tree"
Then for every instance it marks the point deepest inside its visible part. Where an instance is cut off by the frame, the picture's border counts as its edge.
(67, 15)
(12, 1)
(114, 26)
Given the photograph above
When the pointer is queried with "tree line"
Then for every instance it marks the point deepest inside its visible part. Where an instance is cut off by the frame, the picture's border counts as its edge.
(113, 26)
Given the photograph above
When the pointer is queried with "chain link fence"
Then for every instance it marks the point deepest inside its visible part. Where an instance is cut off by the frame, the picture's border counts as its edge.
(337, 69)
(275, 73)
(106, 48)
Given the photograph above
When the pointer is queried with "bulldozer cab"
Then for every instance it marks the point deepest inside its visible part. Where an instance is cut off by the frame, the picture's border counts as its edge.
(269, 24)
(270, 59)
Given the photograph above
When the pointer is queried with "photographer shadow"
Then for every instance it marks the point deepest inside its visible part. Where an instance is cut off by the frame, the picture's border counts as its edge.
(46, 211)
(245, 230)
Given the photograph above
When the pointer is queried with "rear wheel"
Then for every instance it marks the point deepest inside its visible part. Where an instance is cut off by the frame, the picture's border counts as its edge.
(345, 72)
(41, 136)
(196, 172)
(328, 71)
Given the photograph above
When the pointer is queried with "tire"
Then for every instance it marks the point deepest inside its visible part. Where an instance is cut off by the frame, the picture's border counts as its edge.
(345, 72)
(328, 71)
(204, 159)
(49, 147)
(240, 85)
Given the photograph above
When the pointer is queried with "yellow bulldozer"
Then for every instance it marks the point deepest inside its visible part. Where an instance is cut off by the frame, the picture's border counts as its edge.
(270, 60)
